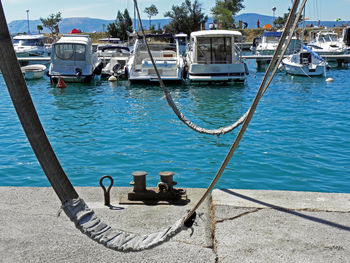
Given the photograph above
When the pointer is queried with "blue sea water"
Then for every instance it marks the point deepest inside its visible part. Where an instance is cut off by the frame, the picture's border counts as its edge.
(299, 138)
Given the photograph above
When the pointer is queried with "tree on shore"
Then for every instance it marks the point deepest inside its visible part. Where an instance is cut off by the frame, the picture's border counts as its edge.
(121, 26)
(51, 22)
(185, 18)
(152, 10)
(279, 22)
(40, 28)
(224, 12)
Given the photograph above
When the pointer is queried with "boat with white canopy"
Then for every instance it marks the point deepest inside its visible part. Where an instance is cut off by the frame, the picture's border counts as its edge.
(72, 59)
(214, 55)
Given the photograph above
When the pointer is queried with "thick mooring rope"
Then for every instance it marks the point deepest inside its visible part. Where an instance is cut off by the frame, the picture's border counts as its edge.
(183, 118)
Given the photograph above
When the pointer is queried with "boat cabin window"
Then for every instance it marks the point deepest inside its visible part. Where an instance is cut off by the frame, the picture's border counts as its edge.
(305, 58)
(214, 50)
(182, 40)
(70, 52)
(272, 39)
(29, 42)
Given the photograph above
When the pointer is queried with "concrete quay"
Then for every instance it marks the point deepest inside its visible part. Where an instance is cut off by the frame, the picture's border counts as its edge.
(231, 226)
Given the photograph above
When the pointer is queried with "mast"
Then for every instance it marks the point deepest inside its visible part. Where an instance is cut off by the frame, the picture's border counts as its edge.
(134, 16)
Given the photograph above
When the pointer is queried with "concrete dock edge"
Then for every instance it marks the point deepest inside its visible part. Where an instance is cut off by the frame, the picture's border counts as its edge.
(231, 226)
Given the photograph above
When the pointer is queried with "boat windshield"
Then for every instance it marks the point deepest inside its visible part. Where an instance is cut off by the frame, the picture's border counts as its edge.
(29, 42)
(328, 38)
(157, 47)
(272, 39)
(214, 50)
(70, 52)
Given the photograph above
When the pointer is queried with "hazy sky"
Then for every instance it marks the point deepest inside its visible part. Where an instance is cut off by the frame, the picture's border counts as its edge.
(16, 9)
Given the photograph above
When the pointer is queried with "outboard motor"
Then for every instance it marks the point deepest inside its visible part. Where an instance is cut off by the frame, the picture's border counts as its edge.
(78, 72)
(116, 68)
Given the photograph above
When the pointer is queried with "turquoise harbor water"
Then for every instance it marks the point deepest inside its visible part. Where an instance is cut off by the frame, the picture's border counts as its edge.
(299, 138)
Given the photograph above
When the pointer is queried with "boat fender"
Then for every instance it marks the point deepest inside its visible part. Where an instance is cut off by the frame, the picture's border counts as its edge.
(184, 72)
(61, 83)
(78, 72)
(126, 71)
(98, 69)
(112, 79)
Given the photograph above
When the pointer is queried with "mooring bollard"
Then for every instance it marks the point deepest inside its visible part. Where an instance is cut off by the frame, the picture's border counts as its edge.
(166, 181)
(139, 182)
(106, 191)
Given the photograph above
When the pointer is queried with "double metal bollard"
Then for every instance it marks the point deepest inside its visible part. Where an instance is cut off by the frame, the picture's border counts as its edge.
(163, 192)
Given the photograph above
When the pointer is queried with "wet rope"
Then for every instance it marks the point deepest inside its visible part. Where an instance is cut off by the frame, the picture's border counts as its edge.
(178, 113)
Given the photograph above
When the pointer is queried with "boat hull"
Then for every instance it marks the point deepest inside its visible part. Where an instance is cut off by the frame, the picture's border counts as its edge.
(35, 71)
(217, 72)
(305, 70)
(73, 78)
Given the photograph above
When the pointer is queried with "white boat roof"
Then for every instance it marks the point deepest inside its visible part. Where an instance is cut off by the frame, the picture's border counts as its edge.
(110, 39)
(29, 37)
(215, 33)
(77, 39)
(181, 35)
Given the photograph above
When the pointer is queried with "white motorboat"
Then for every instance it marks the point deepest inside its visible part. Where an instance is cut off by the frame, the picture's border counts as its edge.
(29, 45)
(73, 60)
(166, 54)
(267, 43)
(34, 71)
(214, 55)
(116, 65)
(114, 59)
(326, 42)
(305, 63)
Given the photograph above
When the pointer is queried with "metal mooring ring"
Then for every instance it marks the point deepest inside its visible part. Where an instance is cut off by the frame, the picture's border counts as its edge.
(106, 191)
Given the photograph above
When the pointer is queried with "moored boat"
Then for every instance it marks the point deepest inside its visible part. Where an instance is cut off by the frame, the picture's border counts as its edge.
(166, 54)
(326, 42)
(29, 45)
(72, 59)
(34, 71)
(267, 43)
(305, 63)
(214, 55)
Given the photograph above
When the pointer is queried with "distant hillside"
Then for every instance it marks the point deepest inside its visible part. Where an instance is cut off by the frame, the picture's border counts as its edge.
(89, 25)
(252, 18)
(85, 24)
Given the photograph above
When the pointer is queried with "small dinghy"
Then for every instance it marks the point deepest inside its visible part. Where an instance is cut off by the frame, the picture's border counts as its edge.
(35, 71)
